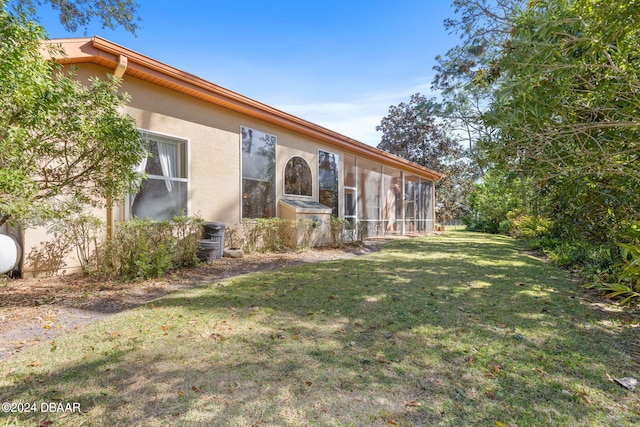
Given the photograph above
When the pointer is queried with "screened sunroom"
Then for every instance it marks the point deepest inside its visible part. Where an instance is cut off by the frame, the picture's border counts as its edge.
(384, 200)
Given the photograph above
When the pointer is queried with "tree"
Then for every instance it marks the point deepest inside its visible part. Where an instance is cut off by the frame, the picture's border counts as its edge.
(491, 201)
(566, 109)
(483, 25)
(411, 131)
(79, 13)
(63, 144)
(556, 85)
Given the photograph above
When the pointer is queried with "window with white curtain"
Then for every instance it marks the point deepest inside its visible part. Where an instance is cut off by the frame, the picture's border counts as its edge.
(163, 194)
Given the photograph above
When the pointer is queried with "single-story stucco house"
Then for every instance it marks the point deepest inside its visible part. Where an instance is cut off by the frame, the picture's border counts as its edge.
(229, 158)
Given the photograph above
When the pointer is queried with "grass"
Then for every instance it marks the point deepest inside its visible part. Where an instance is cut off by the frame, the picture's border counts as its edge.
(459, 329)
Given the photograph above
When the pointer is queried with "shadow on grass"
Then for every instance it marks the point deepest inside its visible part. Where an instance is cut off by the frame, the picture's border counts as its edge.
(461, 329)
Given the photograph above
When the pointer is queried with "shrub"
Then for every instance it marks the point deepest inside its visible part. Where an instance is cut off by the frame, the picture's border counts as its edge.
(143, 248)
(267, 234)
(307, 229)
(86, 233)
(339, 230)
(187, 231)
(589, 256)
(233, 238)
(491, 200)
(526, 226)
(281, 235)
(627, 281)
(140, 248)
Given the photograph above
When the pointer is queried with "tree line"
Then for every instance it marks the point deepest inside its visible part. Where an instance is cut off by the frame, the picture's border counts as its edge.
(540, 103)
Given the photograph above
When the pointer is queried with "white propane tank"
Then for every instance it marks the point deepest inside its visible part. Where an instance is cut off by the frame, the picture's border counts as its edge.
(8, 253)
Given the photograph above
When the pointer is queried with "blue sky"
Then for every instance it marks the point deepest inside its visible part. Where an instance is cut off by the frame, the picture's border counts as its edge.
(337, 63)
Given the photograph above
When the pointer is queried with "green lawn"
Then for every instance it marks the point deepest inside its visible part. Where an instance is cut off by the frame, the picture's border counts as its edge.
(455, 330)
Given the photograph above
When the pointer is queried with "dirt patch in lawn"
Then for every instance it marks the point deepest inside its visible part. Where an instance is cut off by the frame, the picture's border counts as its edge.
(39, 309)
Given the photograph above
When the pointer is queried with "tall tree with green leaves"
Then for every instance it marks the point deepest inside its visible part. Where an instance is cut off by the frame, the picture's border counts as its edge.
(482, 25)
(63, 144)
(411, 131)
(76, 14)
(567, 110)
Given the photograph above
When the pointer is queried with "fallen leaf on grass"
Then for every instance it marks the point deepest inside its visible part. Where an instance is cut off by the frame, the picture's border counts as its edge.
(392, 422)
(217, 337)
(196, 389)
(45, 423)
(413, 404)
(382, 359)
(35, 364)
(584, 397)
(308, 383)
(47, 326)
(164, 327)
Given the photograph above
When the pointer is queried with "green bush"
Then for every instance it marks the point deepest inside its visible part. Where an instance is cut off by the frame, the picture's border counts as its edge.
(339, 229)
(275, 234)
(267, 234)
(143, 248)
(626, 285)
(491, 201)
(86, 233)
(281, 235)
(187, 230)
(590, 257)
(567, 253)
(520, 225)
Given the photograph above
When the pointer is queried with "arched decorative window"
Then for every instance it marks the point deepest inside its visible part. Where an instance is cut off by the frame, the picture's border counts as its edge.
(297, 177)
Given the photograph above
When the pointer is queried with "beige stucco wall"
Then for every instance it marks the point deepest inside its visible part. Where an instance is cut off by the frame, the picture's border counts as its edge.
(213, 135)
(214, 169)
(43, 250)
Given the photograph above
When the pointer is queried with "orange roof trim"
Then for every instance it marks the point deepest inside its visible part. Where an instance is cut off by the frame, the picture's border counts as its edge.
(124, 62)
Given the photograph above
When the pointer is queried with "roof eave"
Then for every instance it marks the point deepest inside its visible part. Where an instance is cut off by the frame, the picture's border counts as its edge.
(100, 51)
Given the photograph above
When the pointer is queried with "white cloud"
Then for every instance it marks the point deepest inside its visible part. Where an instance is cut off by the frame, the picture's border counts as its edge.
(356, 119)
